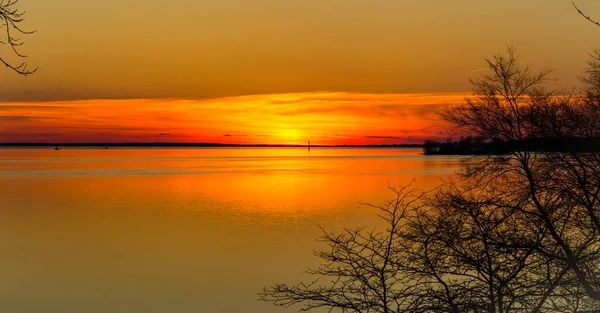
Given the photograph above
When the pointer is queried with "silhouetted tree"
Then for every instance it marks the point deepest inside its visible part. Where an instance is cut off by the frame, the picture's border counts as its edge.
(11, 18)
(360, 268)
(557, 190)
(470, 254)
(513, 233)
(436, 254)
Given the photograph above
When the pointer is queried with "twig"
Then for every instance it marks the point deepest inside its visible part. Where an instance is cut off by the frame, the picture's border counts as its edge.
(587, 17)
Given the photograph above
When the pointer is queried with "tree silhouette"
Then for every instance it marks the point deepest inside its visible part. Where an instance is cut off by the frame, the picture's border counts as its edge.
(558, 190)
(447, 253)
(11, 19)
(517, 232)
(361, 267)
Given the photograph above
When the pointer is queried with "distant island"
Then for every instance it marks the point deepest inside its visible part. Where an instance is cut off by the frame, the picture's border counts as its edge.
(478, 146)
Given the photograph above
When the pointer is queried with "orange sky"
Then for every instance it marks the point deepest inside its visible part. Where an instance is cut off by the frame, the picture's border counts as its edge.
(199, 49)
(322, 118)
(371, 56)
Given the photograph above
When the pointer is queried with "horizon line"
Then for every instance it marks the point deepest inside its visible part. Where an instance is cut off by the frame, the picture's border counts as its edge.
(190, 144)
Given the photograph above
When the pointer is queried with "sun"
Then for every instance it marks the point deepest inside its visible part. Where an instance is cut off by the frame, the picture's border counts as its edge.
(290, 136)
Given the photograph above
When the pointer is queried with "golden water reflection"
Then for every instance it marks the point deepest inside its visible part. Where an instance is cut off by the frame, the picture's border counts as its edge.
(180, 230)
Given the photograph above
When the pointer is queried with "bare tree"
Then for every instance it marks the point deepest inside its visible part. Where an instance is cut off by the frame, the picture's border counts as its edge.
(513, 233)
(451, 252)
(360, 268)
(558, 189)
(11, 18)
(474, 253)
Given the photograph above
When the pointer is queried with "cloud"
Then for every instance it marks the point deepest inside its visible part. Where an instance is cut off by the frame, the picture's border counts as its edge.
(283, 118)
(11, 107)
(244, 135)
(19, 118)
(386, 137)
(107, 128)
(26, 95)
(366, 105)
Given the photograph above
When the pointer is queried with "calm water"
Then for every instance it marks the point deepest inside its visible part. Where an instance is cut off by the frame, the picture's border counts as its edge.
(180, 230)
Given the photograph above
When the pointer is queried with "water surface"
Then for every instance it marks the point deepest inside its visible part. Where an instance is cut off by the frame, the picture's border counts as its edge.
(180, 230)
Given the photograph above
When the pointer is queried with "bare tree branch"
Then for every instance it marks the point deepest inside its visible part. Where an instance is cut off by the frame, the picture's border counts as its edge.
(587, 17)
(10, 20)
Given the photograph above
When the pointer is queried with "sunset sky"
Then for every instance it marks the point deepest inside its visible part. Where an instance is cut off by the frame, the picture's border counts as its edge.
(271, 71)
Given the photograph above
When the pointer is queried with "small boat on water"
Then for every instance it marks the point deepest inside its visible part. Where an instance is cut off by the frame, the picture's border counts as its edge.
(56, 148)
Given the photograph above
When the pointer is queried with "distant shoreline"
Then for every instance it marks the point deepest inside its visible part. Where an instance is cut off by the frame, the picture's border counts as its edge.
(192, 145)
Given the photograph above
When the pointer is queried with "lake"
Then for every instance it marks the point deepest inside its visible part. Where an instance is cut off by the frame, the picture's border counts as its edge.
(181, 230)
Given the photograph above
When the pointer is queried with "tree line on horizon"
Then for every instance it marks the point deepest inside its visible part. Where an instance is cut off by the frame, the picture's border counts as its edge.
(478, 146)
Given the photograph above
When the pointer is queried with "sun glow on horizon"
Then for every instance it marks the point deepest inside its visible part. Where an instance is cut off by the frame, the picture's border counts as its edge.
(324, 118)
(290, 136)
